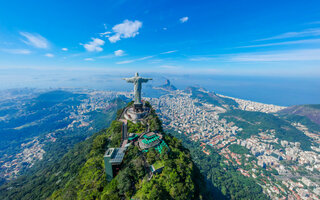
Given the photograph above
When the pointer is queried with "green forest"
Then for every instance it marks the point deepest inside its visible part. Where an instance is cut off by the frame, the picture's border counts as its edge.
(79, 174)
(178, 180)
(238, 149)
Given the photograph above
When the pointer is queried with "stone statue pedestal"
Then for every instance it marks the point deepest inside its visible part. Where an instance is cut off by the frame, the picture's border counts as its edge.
(138, 107)
(136, 112)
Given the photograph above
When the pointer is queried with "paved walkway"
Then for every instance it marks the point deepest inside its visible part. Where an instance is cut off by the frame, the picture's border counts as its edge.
(124, 138)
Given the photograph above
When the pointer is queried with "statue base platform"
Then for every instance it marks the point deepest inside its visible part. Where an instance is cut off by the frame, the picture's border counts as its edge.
(138, 107)
(135, 114)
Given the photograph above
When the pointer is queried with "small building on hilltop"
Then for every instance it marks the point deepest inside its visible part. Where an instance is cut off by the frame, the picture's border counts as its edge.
(151, 140)
(112, 161)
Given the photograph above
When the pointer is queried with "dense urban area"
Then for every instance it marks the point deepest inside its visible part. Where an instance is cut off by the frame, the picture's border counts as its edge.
(281, 167)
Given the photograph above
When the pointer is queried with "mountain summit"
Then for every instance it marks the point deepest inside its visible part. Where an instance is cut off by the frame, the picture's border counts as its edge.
(144, 173)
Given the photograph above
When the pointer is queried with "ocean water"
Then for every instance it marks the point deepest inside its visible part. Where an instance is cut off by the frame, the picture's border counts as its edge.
(285, 91)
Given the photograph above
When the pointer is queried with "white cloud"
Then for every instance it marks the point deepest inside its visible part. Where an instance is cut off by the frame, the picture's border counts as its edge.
(184, 19)
(50, 55)
(119, 52)
(105, 34)
(17, 51)
(35, 40)
(127, 29)
(304, 33)
(94, 45)
(89, 59)
(64, 49)
(114, 38)
(134, 60)
(293, 55)
(168, 52)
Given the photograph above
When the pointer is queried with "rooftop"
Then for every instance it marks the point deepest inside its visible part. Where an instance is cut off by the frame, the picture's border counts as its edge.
(116, 155)
(109, 152)
(148, 140)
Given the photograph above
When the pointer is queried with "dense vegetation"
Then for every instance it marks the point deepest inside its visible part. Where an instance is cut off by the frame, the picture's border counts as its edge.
(310, 111)
(80, 173)
(58, 165)
(90, 179)
(312, 126)
(136, 128)
(238, 149)
(223, 180)
(41, 184)
(178, 180)
(253, 123)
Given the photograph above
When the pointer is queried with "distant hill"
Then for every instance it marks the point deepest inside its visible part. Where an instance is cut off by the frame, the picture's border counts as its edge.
(210, 97)
(311, 111)
(166, 87)
(252, 123)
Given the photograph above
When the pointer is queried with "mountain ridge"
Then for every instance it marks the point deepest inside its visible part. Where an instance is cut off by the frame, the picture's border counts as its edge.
(311, 111)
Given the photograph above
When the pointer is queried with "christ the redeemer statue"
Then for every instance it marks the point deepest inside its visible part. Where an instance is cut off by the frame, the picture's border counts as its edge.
(137, 81)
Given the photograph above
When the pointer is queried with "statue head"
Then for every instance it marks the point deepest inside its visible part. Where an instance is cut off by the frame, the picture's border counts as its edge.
(137, 74)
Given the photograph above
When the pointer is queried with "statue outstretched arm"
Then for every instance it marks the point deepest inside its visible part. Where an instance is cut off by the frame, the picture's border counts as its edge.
(129, 80)
(144, 80)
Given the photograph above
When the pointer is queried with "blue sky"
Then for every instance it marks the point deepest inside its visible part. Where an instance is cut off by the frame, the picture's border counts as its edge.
(235, 37)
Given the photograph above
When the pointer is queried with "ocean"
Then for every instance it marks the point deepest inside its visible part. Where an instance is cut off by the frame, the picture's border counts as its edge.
(284, 91)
